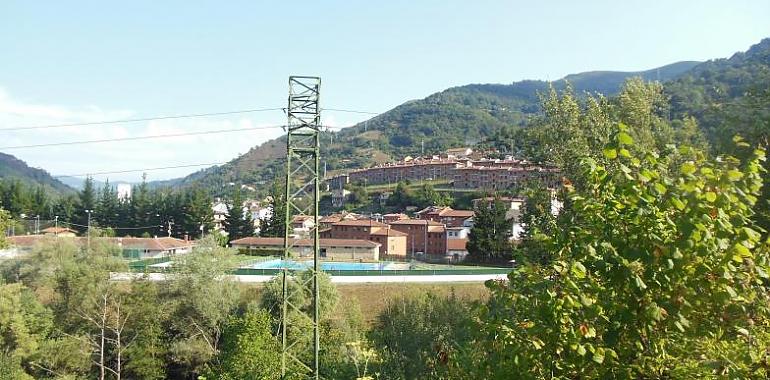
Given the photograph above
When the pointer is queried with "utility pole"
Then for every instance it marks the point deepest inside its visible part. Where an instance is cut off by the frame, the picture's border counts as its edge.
(56, 223)
(170, 223)
(37, 224)
(302, 196)
(88, 231)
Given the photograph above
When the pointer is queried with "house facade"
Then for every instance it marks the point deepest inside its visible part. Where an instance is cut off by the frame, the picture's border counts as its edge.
(423, 236)
(330, 249)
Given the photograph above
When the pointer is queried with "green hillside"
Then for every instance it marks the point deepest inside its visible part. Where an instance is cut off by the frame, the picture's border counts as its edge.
(467, 114)
(11, 168)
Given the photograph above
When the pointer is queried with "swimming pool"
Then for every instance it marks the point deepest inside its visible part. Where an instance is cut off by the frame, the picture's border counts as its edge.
(329, 265)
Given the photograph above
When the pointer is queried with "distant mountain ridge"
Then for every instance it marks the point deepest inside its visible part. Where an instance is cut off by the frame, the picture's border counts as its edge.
(12, 168)
(464, 115)
(454, 117)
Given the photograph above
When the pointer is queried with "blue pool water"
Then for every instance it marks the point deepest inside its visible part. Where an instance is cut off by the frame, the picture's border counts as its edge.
(326, 265)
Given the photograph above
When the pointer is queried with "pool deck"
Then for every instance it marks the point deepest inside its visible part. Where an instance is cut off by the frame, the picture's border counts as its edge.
(338, 279)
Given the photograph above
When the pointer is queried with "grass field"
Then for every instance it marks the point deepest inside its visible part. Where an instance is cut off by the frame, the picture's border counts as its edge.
(372, 298)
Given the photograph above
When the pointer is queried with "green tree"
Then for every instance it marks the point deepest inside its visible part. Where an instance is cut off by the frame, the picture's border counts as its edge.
(539, 225)
(143, 213)
(146, 352)
(197, 215)
(24, 325)
(401, 197)
(428, 196)
(237, 224)
(275, 224)
(5, 223)
(107, 205)
(419, 335)
(339, 323)
(658, 258)
(249, 349)
(204, 299)
(489, 238)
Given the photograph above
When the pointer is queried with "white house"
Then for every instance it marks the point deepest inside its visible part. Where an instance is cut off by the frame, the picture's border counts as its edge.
(220, 210)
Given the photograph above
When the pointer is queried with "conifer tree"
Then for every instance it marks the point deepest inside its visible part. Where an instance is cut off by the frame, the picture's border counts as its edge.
(275, 224)
(237, 224)
(490, 236)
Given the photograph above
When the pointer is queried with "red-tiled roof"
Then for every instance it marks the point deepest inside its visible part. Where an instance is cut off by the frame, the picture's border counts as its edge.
(436, 228)
(457, 213)
(57, 230)
(388, 232)
(153, 244)
(456, 244)
(278, 242)
(419, 222)
(330, 219)
(360, 222)
(396, 215)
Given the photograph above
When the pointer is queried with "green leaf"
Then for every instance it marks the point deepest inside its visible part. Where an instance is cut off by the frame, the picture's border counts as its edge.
(624, 152)
(578, 269)
(734, 175)
(729, 289)
(610, 153)
(711, 196)
(677, 203)
(625, 138)
(751, 234)
(580, 349)
(598, 355)
(660, 188)
(639, 283)
(739, 252)
(687, 168)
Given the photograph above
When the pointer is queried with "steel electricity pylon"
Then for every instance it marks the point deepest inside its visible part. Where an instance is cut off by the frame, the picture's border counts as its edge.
(302, 196)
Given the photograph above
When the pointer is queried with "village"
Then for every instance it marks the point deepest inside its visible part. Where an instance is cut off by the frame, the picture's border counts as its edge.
(434, 234)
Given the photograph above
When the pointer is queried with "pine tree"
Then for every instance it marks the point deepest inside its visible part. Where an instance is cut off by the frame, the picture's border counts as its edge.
(275, 224)
(87, 203)
(197, 217)
(141, 209)
(237, 224)
(106, 214)
(41, 204)
(489, 237)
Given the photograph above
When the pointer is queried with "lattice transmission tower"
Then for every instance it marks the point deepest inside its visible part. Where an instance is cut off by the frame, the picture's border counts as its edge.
(302, 196)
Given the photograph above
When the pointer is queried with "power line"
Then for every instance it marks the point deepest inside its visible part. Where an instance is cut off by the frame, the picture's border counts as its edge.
(146, 137)
(185, 116)
(138, 137)
(169, 117)
(139, 170)
(350, 111)
(114, 228)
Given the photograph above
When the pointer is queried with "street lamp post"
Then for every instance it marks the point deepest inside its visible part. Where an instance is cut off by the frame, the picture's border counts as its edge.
(56, 223)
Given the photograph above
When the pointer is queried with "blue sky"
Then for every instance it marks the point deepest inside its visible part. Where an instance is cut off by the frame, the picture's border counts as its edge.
(81, 61)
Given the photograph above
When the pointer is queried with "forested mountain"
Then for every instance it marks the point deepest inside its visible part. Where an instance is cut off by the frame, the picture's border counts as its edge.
(12, 168)
(467, 114)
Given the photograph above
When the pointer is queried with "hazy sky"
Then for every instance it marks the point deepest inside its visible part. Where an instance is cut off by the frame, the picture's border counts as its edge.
(82, 61)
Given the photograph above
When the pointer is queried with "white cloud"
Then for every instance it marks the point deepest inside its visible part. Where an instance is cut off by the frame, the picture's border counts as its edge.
(123, 155)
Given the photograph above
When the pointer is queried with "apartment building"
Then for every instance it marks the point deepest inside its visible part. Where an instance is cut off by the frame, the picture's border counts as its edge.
(423, 236)
(446, 215)
(392, 243)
